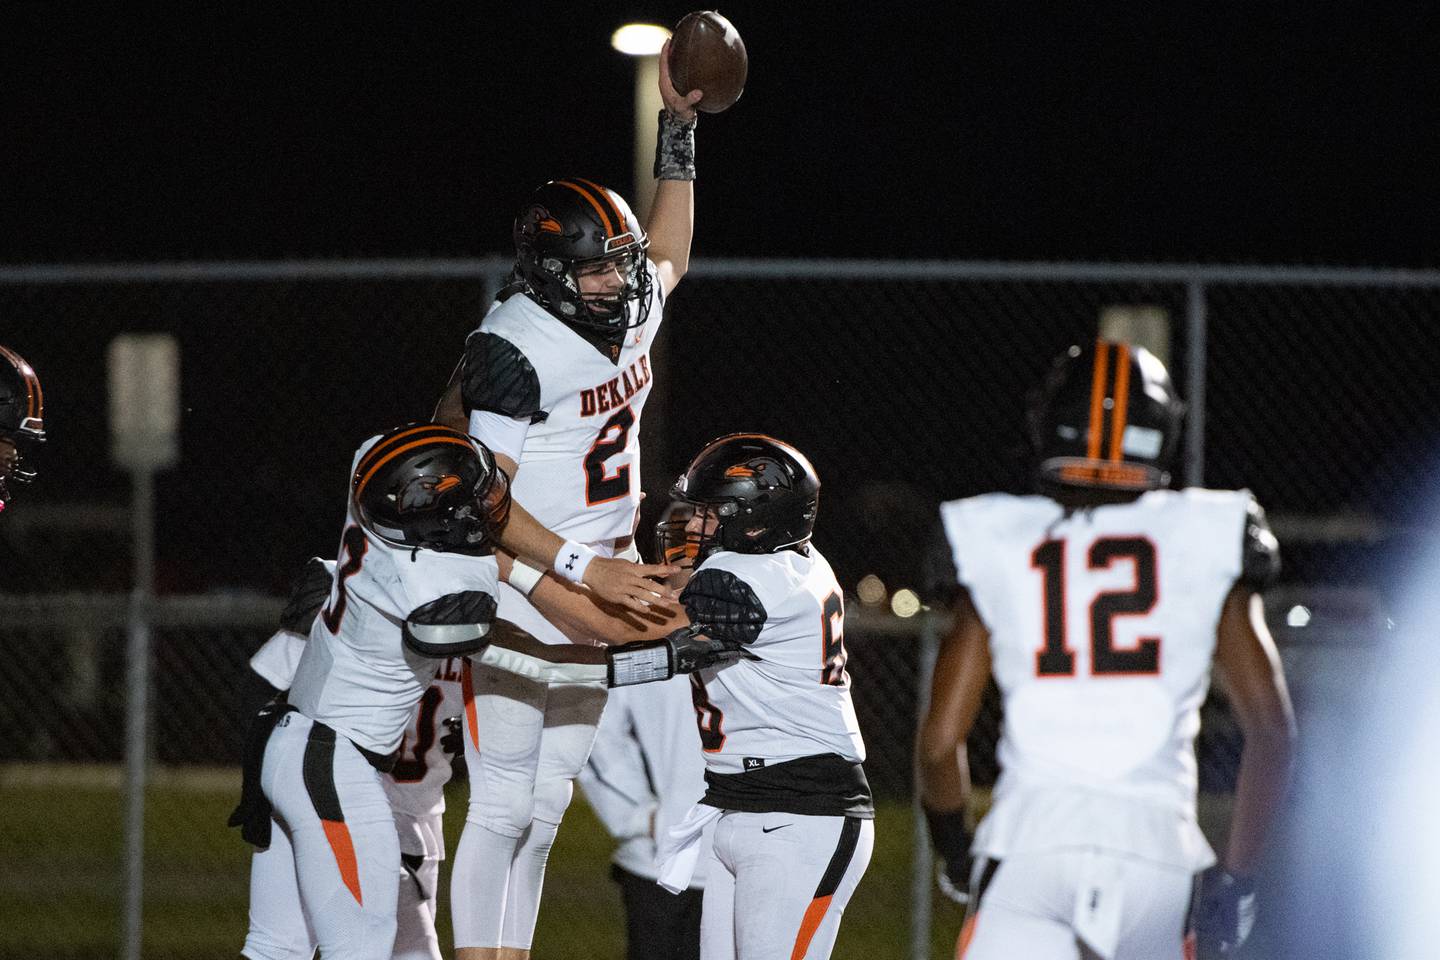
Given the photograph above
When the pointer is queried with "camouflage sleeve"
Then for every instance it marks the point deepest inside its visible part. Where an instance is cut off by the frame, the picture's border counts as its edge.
(498, 378)
(1259, 552)
(724, 607)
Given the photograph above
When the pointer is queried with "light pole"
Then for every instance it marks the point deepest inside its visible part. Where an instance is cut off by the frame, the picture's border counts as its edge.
(643, 42)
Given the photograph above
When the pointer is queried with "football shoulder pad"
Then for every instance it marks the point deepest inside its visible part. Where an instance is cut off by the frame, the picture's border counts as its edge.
(498, 378)
(1260, 552)
(450, 626)
(308, 593)
(724, 607)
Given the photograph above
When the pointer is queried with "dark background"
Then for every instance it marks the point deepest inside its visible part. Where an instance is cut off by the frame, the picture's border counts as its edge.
(1275, 132)
(1212, 132)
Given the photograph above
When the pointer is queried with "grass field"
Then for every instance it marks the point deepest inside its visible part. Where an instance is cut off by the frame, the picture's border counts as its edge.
(60, 869)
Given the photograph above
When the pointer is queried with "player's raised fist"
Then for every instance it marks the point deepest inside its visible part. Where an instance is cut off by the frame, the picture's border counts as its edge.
(707, 54)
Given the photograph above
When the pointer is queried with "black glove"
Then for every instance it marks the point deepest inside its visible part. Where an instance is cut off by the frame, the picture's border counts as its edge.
(691, 650)
(452, 741)
(951, 838)
(308, 593)
(1225, 913)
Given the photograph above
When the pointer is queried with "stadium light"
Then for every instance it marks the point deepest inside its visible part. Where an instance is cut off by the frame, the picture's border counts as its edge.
(639, 39)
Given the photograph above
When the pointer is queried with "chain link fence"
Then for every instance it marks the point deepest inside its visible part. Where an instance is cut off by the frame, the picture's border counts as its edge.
(905, 382)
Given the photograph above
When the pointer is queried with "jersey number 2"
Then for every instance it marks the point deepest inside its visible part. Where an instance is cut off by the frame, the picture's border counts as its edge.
(601, 487)
(1055, 658)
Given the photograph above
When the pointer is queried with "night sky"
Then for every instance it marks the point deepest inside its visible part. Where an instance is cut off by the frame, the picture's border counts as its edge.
(1252, 132)
(1180, 131)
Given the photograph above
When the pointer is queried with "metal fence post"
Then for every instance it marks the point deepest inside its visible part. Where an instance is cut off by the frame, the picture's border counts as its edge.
(1195, 367)
(923, 869)
(137, 709)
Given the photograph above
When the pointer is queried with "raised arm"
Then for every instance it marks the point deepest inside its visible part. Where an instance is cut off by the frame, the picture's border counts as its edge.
(672, 215)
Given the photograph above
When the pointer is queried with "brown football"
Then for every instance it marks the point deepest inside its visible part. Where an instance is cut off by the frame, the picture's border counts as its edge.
(707, 54)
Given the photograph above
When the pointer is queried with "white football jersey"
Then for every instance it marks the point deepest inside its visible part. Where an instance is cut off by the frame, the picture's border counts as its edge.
(356, 674)
(416, 785)
(790, 696)
(1102, 630)
(579, 472)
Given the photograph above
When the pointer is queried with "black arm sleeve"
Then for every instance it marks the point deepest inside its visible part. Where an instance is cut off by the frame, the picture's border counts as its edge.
(498, 378)
(724, 607)
(1260, 553)
(454, 625)
(940, 581)
(308, 593)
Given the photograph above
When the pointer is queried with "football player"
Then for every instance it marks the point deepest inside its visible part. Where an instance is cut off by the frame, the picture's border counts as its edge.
(1098, 604)
(22, 420)
(415, 786)
(414, 586)
(787, 797)
(554, 382)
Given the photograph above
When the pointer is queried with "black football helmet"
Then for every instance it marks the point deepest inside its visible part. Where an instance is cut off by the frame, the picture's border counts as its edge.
(22, 418)
(424, 485)
(764, 494)
(568, 225)
(1106, 419)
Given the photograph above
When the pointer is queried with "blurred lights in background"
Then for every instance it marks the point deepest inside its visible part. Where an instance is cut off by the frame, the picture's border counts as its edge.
(905, 603)
(871, 590)
(1298, 616)
(639, 39)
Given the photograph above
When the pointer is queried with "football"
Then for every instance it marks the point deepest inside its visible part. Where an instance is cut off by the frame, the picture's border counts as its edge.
(707, 54)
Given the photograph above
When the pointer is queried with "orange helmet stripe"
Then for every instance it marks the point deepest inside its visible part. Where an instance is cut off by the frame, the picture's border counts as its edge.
(427, 441)
(604, 194)
(1122, 399)
(34, 398)
(604, 218)
(391, 440)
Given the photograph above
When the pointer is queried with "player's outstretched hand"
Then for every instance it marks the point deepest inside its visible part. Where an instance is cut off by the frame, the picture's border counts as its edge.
(678, 104)
(1226, 913)
(629, 584)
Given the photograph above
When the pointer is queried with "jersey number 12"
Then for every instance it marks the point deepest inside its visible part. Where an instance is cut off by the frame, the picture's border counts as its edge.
(1055, 658)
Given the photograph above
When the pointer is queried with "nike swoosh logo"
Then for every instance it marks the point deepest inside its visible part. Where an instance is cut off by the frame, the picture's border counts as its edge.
(772, 829)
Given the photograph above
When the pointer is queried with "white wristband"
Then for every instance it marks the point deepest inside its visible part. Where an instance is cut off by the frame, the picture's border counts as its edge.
(524, 577)
(572, 560)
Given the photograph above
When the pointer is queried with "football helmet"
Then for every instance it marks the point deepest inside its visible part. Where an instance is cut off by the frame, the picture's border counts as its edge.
(424, 485)
(1106, 419)
(22, 418)
(750, 494)
(568, 226)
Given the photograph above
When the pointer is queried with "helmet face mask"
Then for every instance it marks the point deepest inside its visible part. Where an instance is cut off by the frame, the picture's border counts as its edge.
(571, 238)
(1105, 423)
(427, 486)
(746, 493)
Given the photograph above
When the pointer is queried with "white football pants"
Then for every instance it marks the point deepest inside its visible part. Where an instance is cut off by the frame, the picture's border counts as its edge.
(777, 883)
(329, 801)
(1077, 904)
(525, 743)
